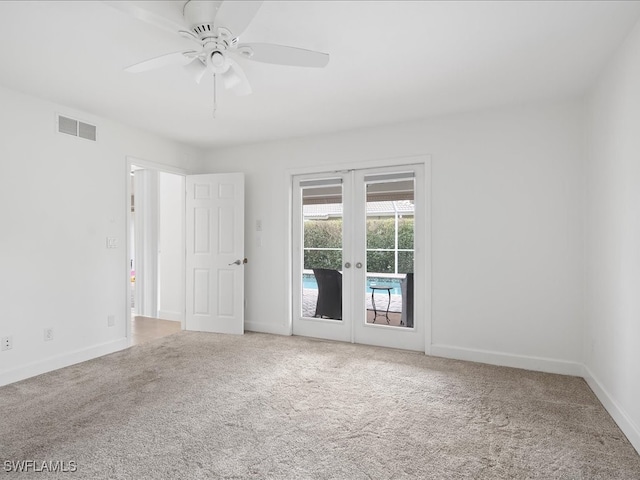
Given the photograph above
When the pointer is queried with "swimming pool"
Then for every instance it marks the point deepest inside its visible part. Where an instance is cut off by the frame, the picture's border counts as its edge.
(309, 282)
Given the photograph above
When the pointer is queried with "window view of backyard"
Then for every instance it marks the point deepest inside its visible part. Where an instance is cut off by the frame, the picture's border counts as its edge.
(389, 257)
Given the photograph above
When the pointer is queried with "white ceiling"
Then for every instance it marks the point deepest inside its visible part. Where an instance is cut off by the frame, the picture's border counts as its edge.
(391, 61)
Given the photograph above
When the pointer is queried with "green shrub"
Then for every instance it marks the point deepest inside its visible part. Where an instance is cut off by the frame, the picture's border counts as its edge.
(380, 234)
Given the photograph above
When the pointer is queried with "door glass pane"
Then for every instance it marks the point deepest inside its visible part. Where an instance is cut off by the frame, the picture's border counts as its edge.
(322, 257)
(390, 250)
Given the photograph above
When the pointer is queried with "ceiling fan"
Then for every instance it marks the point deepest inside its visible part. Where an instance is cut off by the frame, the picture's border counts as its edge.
(215, 27)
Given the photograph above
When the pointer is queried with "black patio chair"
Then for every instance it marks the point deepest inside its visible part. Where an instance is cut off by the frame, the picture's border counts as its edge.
(329, 303)
(406, 286)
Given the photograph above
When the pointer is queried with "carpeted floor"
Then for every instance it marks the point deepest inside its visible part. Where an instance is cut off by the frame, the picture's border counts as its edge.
(206, 406)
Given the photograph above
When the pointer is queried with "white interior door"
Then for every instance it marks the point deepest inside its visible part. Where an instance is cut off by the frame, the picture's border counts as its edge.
(215, 253)
(367, 228)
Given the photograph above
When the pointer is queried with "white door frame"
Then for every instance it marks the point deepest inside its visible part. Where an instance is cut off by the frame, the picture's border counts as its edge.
(425, 160)
(160, 167)
(145, 229)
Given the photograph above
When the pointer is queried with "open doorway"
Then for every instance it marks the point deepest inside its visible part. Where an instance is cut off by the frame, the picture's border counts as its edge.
(155, 253)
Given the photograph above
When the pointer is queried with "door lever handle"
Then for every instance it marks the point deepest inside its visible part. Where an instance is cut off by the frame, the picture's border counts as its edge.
(239, 262)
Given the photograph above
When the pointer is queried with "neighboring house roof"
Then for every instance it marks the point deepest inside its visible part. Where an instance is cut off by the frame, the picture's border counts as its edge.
(403, 207)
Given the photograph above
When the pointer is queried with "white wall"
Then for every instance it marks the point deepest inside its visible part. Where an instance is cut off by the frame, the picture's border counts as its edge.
(61, 197)
(507, 228)
(171, 257)
(612, 330)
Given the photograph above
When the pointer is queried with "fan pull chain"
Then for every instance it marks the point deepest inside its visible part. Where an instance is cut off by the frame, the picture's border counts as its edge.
(215, 99)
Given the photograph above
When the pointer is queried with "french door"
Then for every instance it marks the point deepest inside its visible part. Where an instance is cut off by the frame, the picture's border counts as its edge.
(357, 256)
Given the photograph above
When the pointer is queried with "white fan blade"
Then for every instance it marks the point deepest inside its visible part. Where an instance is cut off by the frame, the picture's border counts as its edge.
(235, 79)
(175, 58)
(236, 15)
(166, 15)
(197, 69)
(282, 55)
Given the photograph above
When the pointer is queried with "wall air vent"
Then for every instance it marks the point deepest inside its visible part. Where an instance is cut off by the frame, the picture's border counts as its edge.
(87, 131)
(76, 128)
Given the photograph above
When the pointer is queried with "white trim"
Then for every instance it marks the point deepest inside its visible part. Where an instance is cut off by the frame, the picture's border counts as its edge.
(626, 424)
(63, 360)
(146, 226)
(267, 327)
(426, 276)
(288, 255)
(538, 364)
(361, 165)
(161, 167)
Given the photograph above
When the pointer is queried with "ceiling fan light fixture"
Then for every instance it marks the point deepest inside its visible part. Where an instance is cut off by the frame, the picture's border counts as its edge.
(216, 25)
(217, 60)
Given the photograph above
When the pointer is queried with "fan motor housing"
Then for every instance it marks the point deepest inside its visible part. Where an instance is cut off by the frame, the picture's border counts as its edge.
(202, 30)
(200, 14)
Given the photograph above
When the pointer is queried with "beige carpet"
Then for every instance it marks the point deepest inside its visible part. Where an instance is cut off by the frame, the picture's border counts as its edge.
(205, 406)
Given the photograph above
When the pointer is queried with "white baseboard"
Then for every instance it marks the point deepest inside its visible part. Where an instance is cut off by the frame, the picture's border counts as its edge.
(61, 361)
(538, 364)
(628, 427)
(169, 315)
(266, 327)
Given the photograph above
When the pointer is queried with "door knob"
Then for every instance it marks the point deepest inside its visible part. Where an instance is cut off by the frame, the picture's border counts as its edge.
(239, 262)
(347, 265)
(359, 265)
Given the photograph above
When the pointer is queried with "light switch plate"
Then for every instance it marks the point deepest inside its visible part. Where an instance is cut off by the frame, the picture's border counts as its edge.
(48, 334)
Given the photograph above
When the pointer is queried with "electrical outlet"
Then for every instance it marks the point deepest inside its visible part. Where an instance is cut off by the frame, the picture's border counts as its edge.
(7, 343)
(48, 334)
(111, 320)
